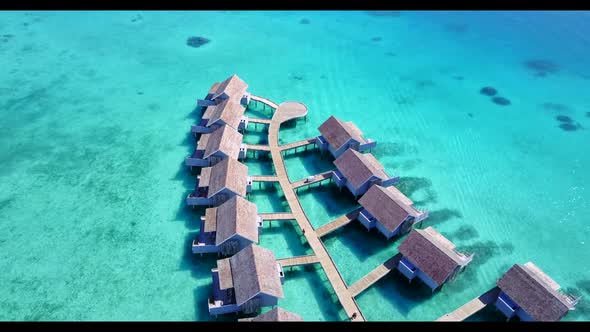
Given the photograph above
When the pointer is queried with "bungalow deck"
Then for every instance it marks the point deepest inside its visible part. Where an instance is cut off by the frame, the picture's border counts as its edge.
(338, 223)
(472, 307)
(372, 277)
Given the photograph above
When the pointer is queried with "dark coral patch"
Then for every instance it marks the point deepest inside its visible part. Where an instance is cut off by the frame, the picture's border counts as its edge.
(464, 233)
(391, 54)
(501, 101)
(458, 78)
(197, 41)
(563, 118)
(425, 84)
(457, 27)
(297, 78)
(588, 114)
(569, 126)
(470, 115)
(542, 67)
(556, 107)
(488, 91)
(383, 13)
(376, 39)
(304, 21)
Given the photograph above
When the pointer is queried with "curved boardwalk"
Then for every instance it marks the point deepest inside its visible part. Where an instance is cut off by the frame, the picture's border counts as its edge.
(285, 112)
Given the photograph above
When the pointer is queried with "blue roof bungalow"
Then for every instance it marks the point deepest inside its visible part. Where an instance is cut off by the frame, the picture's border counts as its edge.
(277, 314)
(217, 184)
(338, 136)
(233, 87)
(228, 112)
(388, 210)
(431, 257)
(528, 293)
(246, 282)
(359, 171)
(225, 142)
(228, 228)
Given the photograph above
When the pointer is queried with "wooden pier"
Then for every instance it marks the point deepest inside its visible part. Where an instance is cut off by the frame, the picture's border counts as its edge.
(257, 147)
(298, 260)
(472, 307)
(285, 112)
(316, 178)
(264, 178)
(259, 120)
(298, 144)
(372, 277)
(277, 216)
(338, 223)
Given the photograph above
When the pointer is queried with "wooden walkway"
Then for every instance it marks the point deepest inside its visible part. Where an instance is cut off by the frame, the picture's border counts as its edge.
(337, 223)
(277, 216)
(298, 260)
(372, 277)
(259, 120)
(263, 100)
(284, 112)
(264, 178)
(470, 308)
(317, 178)
(256, 147)
(298, 144)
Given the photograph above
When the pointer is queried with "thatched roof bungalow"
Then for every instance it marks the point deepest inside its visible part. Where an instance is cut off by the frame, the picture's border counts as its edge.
(247, 281)
(337, 136)
(388, 210)
(431, 257)
(359, 171)
(528, 293)
(220, 182)
(228, 228)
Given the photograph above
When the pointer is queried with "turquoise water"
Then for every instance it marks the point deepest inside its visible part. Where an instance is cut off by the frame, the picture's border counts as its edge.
(95, 111)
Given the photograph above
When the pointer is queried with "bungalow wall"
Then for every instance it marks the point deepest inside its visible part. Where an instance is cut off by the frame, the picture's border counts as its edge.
(222, 196)
(259, 301)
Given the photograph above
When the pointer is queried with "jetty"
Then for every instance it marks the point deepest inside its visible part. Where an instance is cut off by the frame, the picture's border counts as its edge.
(472, 307)
(372, 277)
(337, 223)
(298, 260)
(285, 112)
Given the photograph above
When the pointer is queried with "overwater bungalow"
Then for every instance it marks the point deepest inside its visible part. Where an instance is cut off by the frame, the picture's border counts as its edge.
(337, 136)
(224, 142)
(247, 281)
(228, 112)
(233, 87)
(528, 293)
(431, 257)
(277, 314)
(228, 228)
(219, 183)
(388, 210)
(359, 171)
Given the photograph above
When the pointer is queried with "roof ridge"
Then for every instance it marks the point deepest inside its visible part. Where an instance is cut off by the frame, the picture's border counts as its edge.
(451, 253)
